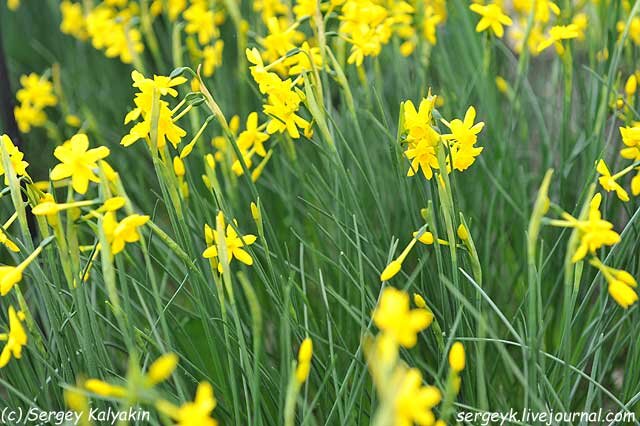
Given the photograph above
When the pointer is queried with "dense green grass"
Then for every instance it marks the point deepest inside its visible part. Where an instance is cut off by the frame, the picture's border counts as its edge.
(333, 219)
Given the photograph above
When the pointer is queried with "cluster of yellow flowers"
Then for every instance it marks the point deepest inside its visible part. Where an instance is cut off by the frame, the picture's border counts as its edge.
(592, 232)
(404, 398)
(423, 141)
(34, 96)
(144, 100)
(140, 388)
(630, 134)
(541, 35)
(110, 25)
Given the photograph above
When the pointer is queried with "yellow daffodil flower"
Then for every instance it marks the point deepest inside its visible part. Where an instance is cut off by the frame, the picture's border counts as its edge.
(235, 244)
(78, 162)
(394, 317)
(125, 231)
(493, 17)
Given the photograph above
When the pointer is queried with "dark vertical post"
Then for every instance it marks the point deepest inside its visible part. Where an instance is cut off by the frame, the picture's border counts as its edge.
(6, 99)
(8, 118)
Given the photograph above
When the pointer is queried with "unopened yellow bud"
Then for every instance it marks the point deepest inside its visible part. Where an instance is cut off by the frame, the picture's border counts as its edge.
(162, 368)
(457, 357)
(210, 161)
(178, 166)
(73, 120)
(624, 295)
(302, 372)
(502, 85)
(391, 270)
(306, 351)
(419, 301)
(463, 233)
(256, 214)
(103, 388)
(631, 86)
(425, 238)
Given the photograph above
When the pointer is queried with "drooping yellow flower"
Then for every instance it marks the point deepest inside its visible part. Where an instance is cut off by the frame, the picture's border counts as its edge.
(78, 162)
(621, 284)
(558, 33)
(15, 158)
(120, 233)
(196, 413)
(493, 17)
(15, 339)
(394, 317)
(609, 183)
(235, 244)
(413, 402)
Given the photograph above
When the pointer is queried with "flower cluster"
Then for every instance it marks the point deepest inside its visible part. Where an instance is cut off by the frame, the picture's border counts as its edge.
(592, 232)
(423, 140)
(141, 388)
(546, 30)
(34, 96)
(283, 99)
(112, 29)
(404, 398)
(167, 129)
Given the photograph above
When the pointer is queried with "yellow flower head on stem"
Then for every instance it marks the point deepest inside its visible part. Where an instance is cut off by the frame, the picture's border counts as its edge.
(78, 162)
(394, 317)
(413, 402)
(493, 17)
(235, 244)
(609, 183)
(15, 158)
(125, 231)
(196, 413)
